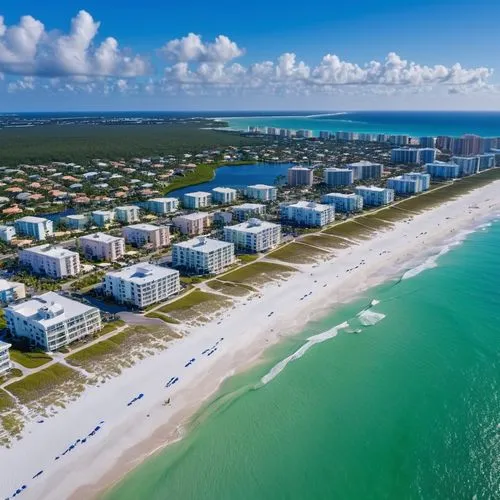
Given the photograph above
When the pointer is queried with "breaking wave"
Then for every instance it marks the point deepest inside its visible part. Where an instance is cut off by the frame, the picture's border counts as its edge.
(369, 317)
(315, 339)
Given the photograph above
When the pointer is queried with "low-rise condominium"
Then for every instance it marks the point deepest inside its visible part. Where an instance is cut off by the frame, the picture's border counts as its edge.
(224, 196)
(307, 213)
(52, 261)
(247, 211)
(486, 160)
(38, 228)
(196, 200)
(203, 255)
(404, 185)
(102, 246)
(51, 321)
(424, 178)
(127, 214)
(101, 218)
(426, 155)
(147, 235)
(142, 284)
(10, 291)
(254, 235)
(344, 203)
(366, 170)
(338, 177)
(7, 233)
(442, 170)
(262, 192)
(300, 176)
(163, 206)
(5, 364)
(76, 222)
(374, 196)
(194, 224)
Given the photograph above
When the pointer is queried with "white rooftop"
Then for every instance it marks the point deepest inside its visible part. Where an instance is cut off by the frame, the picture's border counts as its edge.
(163, 200)
(50, 308)
(102, 212)
(248, 206)
(298, 167)
(370, 188)
(76, 217)
(203, 244)
(101, 237)
(7, 285)
(362, 163)
(335, 169)
(261, 186)
(311, 205)
(198, 194)
(193, 216)
(127, 207)
(224, 190)
(30, 218)
(253, 226)
(4, 346)
(142, 273)
(51, 251)
(341, 195)
(144, 227)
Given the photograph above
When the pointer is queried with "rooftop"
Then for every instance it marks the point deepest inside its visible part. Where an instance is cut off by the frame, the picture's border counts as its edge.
(335, 169)
(253, 226)
(50, 308)
(362, 163)
(164, 200)
(7, 285)
(127, 207)
(32, 219)
(224, 190)
(261, 186)
(342, 195)
(51, 251)
(203, 244)
(76, 217)
(198, 194)
(370, 188)
(248, 206)
(102, 212)
(311, 205)
(144, 227)
(142, 273)
(4, 346)
(101, 237)
(193, 216)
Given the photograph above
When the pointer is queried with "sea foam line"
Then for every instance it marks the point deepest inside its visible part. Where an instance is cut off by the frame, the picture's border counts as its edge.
(315, 339)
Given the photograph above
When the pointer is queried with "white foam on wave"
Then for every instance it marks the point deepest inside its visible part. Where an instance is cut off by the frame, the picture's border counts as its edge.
(374, 302)
(327, 114)
(315, 339)
(369, 317)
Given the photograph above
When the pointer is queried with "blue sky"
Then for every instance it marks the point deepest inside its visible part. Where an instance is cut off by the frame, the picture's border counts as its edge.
(323, 55)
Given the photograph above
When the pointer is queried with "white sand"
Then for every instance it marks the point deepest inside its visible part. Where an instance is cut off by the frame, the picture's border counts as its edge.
(128, 435)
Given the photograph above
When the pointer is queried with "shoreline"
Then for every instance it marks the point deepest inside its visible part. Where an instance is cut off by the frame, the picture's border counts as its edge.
(123, 443)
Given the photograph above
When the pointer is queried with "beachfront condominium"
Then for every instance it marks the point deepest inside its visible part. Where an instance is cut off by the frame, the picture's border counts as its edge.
(147, 235)
(51, 321)
(374, 196)
(224, 196)
(203, 255)
(399, 140)
(307, 213)
(324, 135)
(262, 192)
(344, 203)
(486, 160)
(142, 284)
(7, 233)
(5, 363)
(10, 291)
(405, 155)
(254, 235)
(426, 155)
(345, 136)
(367, 137)
(443, 170)
(468, 165)
(467, 145)
(163, 206)
(247, 211)
(300, 176)
(52, 261)
(424, 178)
(366, 170)
(127, 214)
(196, 200)
(427, 142)
(338, 177)
(102, 246)
(193, 224)
(76, 222)
(101, 218)
(38, 228)
(405, 185)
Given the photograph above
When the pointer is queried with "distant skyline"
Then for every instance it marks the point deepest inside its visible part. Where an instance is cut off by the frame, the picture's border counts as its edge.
(147, 56)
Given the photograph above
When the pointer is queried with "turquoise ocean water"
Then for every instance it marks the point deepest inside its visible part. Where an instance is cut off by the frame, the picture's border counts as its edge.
(409, 408)
(414, 123)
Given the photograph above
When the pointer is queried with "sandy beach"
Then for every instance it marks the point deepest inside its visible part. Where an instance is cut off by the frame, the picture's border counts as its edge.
(110, 436)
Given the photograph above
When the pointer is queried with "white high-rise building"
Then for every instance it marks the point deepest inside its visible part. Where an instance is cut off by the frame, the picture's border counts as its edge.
(306, 213)
(344, 203)
(102, 246)
(196, 200)
(374, 196)
(142, 284)
(224, 196)
(38, 228)
(55, 262)
(127, 214)
(300, 176)
(405, 185)
(203, 255)
(247, 211)
(262, 192)
(163, 206)
(5, 364)
(147, 235)
(425, 179)
(405, 155)
(366, 170)
(102, 218)
(338, 177)
(254, 235)
(7, 233)
(443, 170)
(51, 321)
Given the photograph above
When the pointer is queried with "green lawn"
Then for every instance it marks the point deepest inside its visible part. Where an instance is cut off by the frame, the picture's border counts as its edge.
(111, 326)
(190, 300)
(238, 290)
(258, 273)
(38, 384)
(99, 349)
(350, 230)
(29, 359)
(247, 257)
(298, 253)
(163, 317)
(6, 401)
(325, 241)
